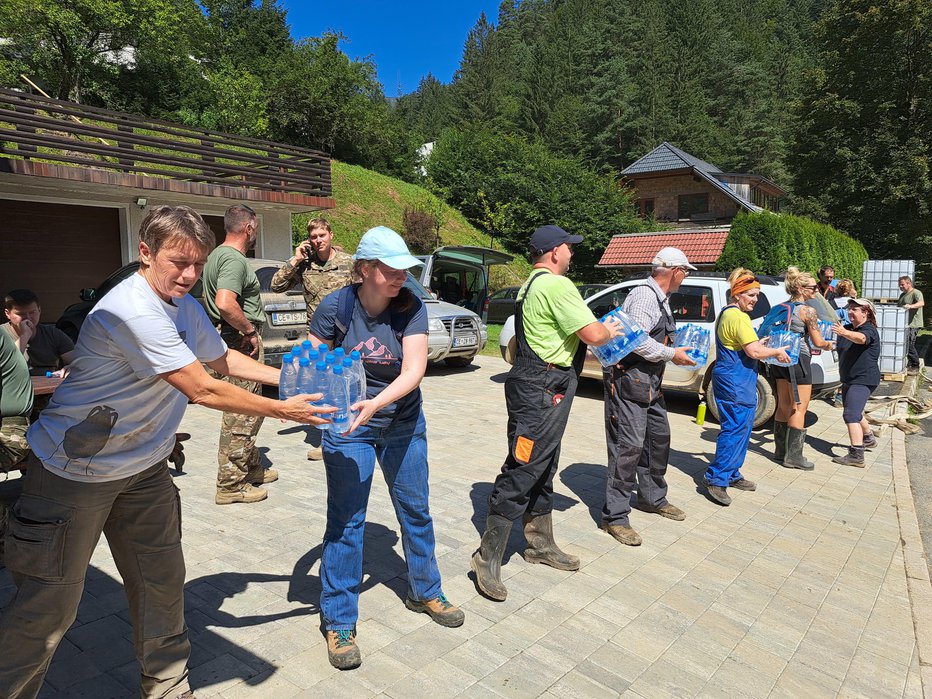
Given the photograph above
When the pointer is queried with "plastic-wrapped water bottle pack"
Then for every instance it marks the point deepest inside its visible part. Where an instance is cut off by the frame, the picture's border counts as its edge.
(699, 339)
(792, 341)
(618, 348)
(340, 378)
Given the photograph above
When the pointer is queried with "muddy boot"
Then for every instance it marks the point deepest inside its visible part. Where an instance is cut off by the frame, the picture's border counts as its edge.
(795, 441)
(854, 457)
(779, 441)
(870, 440)
(486, 562)
(541, 548)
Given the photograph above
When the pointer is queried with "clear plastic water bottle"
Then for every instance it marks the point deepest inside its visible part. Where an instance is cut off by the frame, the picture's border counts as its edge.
(339, 398)
(288, 378)
(306, 348)
(305, 376)
(792, 341)
(340, 353)
(698, 340)
(323, 348)
(330, 358)
(359, 374)
(313, 356)
(321, 384)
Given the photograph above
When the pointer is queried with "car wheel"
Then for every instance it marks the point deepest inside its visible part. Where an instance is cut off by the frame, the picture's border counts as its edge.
(766, 402)
(459, 361)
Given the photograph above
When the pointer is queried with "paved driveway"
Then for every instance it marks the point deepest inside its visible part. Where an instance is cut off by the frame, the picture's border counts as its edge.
(796, 590)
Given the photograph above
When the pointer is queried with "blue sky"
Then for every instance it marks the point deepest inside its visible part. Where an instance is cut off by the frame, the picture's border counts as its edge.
(406, 39)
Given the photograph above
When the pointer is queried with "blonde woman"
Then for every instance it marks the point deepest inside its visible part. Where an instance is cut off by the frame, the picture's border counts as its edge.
(794, 383)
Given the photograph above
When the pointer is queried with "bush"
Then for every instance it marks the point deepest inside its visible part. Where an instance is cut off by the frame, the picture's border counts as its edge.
(508, 187)
(769, 243)
(419, 230)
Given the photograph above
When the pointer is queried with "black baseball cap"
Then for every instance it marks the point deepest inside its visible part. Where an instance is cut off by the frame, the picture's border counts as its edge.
(546, 238)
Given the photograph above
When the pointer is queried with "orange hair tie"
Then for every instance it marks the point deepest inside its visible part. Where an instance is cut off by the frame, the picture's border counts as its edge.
(743, 284)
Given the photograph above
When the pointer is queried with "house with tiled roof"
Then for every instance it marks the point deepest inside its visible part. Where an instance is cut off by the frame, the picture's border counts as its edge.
(675, 187)
(699, 199)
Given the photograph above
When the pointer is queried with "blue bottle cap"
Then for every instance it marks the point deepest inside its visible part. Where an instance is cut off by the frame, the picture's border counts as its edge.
(304, 361)
(330, 358)
(313, 355)
(48, 374)
(307, 344)
(323, 348)
(321, 366)
(339, 351)
(347, 362)
(338, 369)
(355, 355)
(296, 350)
(288, 358)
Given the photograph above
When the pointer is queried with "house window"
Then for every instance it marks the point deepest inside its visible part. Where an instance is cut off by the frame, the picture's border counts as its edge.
(645, 208)
(693, 204)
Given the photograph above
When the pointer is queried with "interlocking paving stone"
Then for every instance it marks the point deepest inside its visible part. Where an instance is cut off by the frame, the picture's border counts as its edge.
(798, 589)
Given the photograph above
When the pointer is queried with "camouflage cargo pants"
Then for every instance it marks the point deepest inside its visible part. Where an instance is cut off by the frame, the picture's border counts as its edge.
(237, 453)
(13, 445)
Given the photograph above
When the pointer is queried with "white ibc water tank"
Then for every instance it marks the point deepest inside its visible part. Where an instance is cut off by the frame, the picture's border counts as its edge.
(891, 325)
(880, 278)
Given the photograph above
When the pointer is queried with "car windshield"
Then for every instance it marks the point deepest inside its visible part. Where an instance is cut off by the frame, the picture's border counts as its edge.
(417, 289)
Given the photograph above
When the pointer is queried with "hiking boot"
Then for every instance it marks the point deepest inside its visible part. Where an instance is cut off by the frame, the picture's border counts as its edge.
(315, 454)
(779, 441)
(854, 457)
(342, 650)
(669, 511)
(719, 494)
(439, 609)
(744, 484)
(870, 440)
(795, 441)
(486, 562)
(259, 475)
(541, 548)
(623, 534)
(245, 493)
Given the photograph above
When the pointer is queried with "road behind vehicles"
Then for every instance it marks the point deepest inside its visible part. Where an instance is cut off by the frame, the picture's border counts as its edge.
(699, 300)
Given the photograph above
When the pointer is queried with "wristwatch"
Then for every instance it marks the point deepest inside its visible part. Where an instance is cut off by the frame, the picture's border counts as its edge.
(251, 332)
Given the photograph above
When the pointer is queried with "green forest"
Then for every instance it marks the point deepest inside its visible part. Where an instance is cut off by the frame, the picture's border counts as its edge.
(831, 99)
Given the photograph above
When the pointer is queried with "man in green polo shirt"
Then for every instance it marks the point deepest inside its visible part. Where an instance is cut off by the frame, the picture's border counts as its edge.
(550, 320)
(231, 294)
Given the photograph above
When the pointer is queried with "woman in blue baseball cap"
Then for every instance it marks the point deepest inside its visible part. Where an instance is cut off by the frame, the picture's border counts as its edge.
(387, 325)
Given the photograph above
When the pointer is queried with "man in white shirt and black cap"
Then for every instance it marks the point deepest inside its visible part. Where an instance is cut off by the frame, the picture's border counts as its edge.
(636, 425)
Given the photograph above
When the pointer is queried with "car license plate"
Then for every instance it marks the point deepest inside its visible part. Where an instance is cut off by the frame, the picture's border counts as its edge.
(464, 341)
(289, 317)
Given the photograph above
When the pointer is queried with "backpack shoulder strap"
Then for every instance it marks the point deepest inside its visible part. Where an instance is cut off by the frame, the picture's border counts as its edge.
(346, 304)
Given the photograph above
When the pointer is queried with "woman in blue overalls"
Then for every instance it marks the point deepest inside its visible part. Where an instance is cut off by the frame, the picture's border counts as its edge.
(734, 383)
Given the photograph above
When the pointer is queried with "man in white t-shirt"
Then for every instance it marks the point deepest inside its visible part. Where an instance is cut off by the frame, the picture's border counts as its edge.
(99, 461)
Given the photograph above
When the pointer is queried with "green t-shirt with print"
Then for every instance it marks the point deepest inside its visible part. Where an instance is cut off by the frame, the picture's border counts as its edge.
(553, 312)
(228, 268)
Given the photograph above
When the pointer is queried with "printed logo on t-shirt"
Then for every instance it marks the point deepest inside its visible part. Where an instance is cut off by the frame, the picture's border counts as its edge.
(374, 351)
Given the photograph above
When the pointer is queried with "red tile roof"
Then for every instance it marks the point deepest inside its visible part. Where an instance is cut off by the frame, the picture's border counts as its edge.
(701, 247)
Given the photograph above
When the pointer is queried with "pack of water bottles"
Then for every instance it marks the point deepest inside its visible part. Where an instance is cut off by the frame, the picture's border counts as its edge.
(826, 327)
(790, 340)
(698, 339)
(341, 379)
(631, 335)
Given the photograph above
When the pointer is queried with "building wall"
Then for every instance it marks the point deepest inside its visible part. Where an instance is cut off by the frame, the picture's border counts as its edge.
(666, 190)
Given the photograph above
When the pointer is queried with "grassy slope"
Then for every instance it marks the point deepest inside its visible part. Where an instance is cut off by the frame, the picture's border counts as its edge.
(366, 199)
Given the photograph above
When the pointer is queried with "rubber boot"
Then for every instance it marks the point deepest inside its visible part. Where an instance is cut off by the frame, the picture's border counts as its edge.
(541, 548)
(779, 441)
(795, 441)
(486, 562)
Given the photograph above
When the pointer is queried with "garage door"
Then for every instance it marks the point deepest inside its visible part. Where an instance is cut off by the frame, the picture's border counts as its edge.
(56, 250)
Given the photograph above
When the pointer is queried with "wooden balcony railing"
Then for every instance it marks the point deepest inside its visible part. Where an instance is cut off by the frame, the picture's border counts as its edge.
(56, 131)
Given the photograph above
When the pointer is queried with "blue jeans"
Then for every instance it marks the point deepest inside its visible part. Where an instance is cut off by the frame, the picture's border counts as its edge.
(401, 450)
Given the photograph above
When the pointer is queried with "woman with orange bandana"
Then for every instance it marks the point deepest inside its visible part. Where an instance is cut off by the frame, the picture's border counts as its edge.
(734, 383)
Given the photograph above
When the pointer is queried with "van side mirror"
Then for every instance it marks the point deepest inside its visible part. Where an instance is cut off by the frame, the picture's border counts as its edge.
(88, 294)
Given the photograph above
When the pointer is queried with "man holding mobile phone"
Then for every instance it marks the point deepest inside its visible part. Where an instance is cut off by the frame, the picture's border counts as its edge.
(322, 268)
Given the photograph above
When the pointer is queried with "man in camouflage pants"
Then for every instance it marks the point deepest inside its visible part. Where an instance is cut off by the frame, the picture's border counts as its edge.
(322, 269)
(231, 294)
(15, 404)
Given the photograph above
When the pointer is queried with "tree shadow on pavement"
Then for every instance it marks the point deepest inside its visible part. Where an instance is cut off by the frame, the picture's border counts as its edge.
(480, 511)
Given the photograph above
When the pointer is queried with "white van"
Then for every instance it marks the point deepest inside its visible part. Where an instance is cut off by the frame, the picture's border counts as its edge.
(699, 300)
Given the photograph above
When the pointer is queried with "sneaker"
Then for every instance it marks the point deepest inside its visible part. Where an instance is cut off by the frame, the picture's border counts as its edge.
(342, 649)
(744, 484)
(623, 534)
(245, 493)
(669, 511)
(440, 610)
(719, 494)
(259, 475)
(315, 454)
